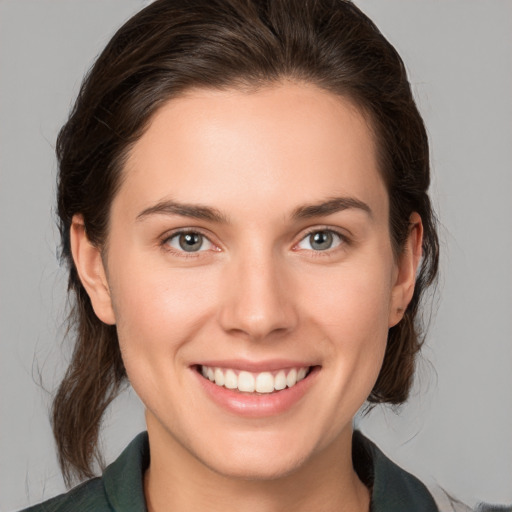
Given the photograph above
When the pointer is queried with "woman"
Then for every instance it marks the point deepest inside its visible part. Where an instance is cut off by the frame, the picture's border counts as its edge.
(243, 204)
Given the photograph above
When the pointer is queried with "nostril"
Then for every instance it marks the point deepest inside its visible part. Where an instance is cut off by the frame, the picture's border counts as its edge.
(257, 304)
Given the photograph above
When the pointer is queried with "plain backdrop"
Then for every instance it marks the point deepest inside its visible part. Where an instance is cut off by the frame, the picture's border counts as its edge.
(456, 431)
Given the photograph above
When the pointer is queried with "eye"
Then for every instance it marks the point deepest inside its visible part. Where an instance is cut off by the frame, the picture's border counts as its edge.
(321, 240)
(189, 241)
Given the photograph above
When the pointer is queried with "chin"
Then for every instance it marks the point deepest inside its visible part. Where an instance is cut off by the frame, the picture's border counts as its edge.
(264, 457)
(257, 468)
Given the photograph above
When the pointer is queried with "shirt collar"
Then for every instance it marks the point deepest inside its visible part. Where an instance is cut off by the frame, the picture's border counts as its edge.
(124, 478)
(392, 488)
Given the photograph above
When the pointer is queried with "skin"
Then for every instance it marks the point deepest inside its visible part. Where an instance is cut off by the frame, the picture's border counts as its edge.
(257, 291)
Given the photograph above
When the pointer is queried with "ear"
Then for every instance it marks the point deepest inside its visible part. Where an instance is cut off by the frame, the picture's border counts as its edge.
(91, 271)
(407, 265)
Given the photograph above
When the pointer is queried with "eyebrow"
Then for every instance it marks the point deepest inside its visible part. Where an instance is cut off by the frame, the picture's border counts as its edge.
(194, 211)
(185, 210)
(333, 205)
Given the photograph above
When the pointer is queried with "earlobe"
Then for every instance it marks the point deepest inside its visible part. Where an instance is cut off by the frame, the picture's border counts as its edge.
(90, 268)
(408, 262)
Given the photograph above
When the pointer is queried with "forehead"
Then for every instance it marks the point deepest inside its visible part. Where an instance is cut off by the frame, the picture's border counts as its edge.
(275, 147)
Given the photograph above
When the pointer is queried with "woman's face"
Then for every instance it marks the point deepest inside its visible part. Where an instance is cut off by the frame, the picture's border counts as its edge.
(249, 242)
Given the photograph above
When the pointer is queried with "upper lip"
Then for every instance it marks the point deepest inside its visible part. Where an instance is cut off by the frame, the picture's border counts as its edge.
(256, 366)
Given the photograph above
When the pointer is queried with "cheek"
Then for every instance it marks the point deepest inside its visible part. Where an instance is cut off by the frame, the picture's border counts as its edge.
(354, 298)
(158, 309)
(351, 310)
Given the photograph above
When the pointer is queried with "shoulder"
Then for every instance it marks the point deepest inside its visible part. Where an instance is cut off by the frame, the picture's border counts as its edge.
(87, 497)
(393, 488)
(120, 489)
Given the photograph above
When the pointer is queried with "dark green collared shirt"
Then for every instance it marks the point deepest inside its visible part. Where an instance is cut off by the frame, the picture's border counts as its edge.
(121, 489)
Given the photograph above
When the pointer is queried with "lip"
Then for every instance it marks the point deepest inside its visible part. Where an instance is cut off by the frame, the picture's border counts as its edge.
(253, 405)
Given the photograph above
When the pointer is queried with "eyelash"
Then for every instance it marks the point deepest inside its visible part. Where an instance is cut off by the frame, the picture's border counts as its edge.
(183, 254)
(343, 240)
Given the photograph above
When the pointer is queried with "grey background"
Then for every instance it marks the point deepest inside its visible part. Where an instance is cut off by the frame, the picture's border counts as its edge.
(456, 432)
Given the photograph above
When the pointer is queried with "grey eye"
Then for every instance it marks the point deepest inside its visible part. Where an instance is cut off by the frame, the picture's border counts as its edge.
(321, 240)
(189, 242)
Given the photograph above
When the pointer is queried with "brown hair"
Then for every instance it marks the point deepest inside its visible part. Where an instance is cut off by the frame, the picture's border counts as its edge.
(174, 45)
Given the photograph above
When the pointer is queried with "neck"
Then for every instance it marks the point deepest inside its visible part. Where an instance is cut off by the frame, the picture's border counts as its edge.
(176, 480)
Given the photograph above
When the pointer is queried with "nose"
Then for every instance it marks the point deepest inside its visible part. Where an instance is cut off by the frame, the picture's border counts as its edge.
(258, 299)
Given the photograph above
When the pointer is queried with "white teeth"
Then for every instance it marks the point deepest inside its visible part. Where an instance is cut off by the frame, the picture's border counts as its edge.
(291, 378)
(247, 382)
(280, 381)
(231, 380)
(264, 383)
(219, 377)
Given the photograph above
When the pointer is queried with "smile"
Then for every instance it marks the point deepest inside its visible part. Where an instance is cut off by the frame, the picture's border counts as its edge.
(255, 382)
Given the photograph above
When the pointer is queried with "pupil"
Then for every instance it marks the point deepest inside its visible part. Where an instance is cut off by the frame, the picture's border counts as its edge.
(321, 240)
(191, 242)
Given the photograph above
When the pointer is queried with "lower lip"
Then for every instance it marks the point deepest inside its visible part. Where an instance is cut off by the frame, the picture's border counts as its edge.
(257, 405)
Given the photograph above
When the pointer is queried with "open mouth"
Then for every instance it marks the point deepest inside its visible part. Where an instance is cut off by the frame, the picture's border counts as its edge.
(255, 382)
